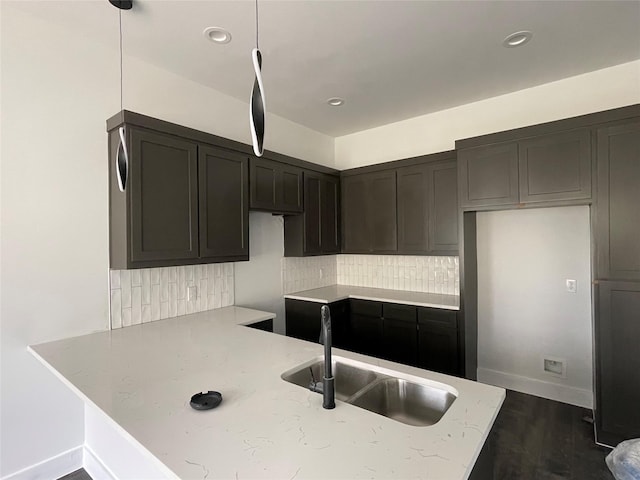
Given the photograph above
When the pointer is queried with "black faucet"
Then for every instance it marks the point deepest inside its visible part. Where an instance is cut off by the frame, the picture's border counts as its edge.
(327, 387)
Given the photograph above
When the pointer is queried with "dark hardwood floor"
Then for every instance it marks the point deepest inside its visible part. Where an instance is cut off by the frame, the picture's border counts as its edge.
(535, 438)
(532, 439)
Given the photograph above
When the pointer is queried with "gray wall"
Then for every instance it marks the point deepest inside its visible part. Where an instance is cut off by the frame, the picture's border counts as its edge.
(524, 310)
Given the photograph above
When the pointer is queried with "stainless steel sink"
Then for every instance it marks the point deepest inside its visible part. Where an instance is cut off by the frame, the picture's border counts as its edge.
(349, 379)
(407, 402)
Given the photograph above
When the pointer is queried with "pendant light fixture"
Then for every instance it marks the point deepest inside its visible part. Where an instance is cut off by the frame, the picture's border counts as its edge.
(256, 103)
(122, 155)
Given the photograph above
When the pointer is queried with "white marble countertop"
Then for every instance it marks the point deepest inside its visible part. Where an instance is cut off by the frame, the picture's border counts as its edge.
(334, 293)
(143, 376)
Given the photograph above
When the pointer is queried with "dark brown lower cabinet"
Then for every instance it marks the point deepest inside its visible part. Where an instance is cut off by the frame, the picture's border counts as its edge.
(302, 321)
(617, 411)
(400, 334)
(423, 337)
(366, 327)
(438, 341)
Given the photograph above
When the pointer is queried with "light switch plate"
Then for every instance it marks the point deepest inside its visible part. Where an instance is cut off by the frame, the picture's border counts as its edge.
(572, 285)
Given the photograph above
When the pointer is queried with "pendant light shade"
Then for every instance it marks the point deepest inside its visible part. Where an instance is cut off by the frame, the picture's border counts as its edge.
(121, 163)
(256, 102)
(257, 105)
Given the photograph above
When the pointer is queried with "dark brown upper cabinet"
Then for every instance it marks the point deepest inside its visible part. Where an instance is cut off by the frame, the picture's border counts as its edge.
(555, 167)
(617, 210)
(224, 204)
(428, 208)
(275, 187)
(369, 212)
(163, 189)
(488, 175)
(546, 168)
(617, 335)
(316, 231)
(170, 212)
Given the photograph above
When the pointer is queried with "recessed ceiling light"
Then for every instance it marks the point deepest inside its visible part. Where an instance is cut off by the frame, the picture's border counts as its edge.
(217, 34)
(517, 39)
(335, 101)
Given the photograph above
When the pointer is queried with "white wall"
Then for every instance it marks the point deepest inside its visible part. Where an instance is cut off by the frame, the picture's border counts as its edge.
(524, 310)
(592, 92)
(57, 91)
(259, 281)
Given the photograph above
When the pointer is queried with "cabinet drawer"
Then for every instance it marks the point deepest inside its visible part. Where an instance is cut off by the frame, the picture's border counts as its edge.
(395, 311)
(366, 307)
(438, 316)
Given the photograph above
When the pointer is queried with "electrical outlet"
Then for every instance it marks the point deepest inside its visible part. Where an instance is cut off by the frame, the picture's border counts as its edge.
(555, 366)
(192, 293)
(572, 285)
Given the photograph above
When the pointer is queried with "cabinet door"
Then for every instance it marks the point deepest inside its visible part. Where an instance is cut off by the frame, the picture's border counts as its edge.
(262, 181)
(400, 334)
(382, 211)
(617, 212)
(555, 167)
(355, 213)
(330, 215)
(438, 340)
(488, 175)
(443, 207)
(164, 197)
(312, 214)
(289, 189)
(366, 327)
(340, 324)
(275, 187)
(413, 209)
(224, 208)
(438, 348)
(302, 319)
(617, 362)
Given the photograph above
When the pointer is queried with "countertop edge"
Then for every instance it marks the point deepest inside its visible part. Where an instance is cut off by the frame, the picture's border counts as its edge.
(373, 298)
(170, 474)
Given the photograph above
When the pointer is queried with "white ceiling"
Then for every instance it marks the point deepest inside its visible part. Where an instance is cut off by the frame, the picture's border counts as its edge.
(390, 60)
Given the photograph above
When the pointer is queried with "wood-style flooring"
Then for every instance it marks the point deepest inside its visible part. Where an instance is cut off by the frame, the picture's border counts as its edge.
(533, 439)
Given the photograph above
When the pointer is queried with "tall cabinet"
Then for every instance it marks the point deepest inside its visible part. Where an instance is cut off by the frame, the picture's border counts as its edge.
(618, 285)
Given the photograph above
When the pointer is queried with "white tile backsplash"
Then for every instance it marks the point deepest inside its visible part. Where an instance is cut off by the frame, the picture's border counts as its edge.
(395, 272)
(149, 294)
(308, 272)
(400, 272)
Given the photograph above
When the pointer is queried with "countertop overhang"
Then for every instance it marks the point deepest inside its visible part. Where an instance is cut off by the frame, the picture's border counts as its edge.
(143, 376)
(335, 293)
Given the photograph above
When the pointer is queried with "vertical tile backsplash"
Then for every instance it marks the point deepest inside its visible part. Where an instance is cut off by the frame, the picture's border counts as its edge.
(400, 272)
(395, 272)
(308, 272)
(148, 294)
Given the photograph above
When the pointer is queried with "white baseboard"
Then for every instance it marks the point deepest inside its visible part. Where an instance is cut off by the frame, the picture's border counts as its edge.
(96, 467)
(54, 467)
(553, 391)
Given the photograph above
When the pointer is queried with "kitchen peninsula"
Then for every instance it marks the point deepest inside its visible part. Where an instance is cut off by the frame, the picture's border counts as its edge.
(142, 378)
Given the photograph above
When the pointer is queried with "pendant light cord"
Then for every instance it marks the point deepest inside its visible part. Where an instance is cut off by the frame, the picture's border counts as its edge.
(120, 29)
(257, 24)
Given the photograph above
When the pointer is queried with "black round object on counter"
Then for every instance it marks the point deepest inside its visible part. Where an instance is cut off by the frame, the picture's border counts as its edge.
(206, 400)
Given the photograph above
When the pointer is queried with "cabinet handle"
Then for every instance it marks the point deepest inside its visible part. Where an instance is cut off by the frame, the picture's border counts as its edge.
(122, 161)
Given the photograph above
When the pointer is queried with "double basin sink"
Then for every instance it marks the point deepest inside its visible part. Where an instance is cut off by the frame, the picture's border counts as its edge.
(413, 403)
